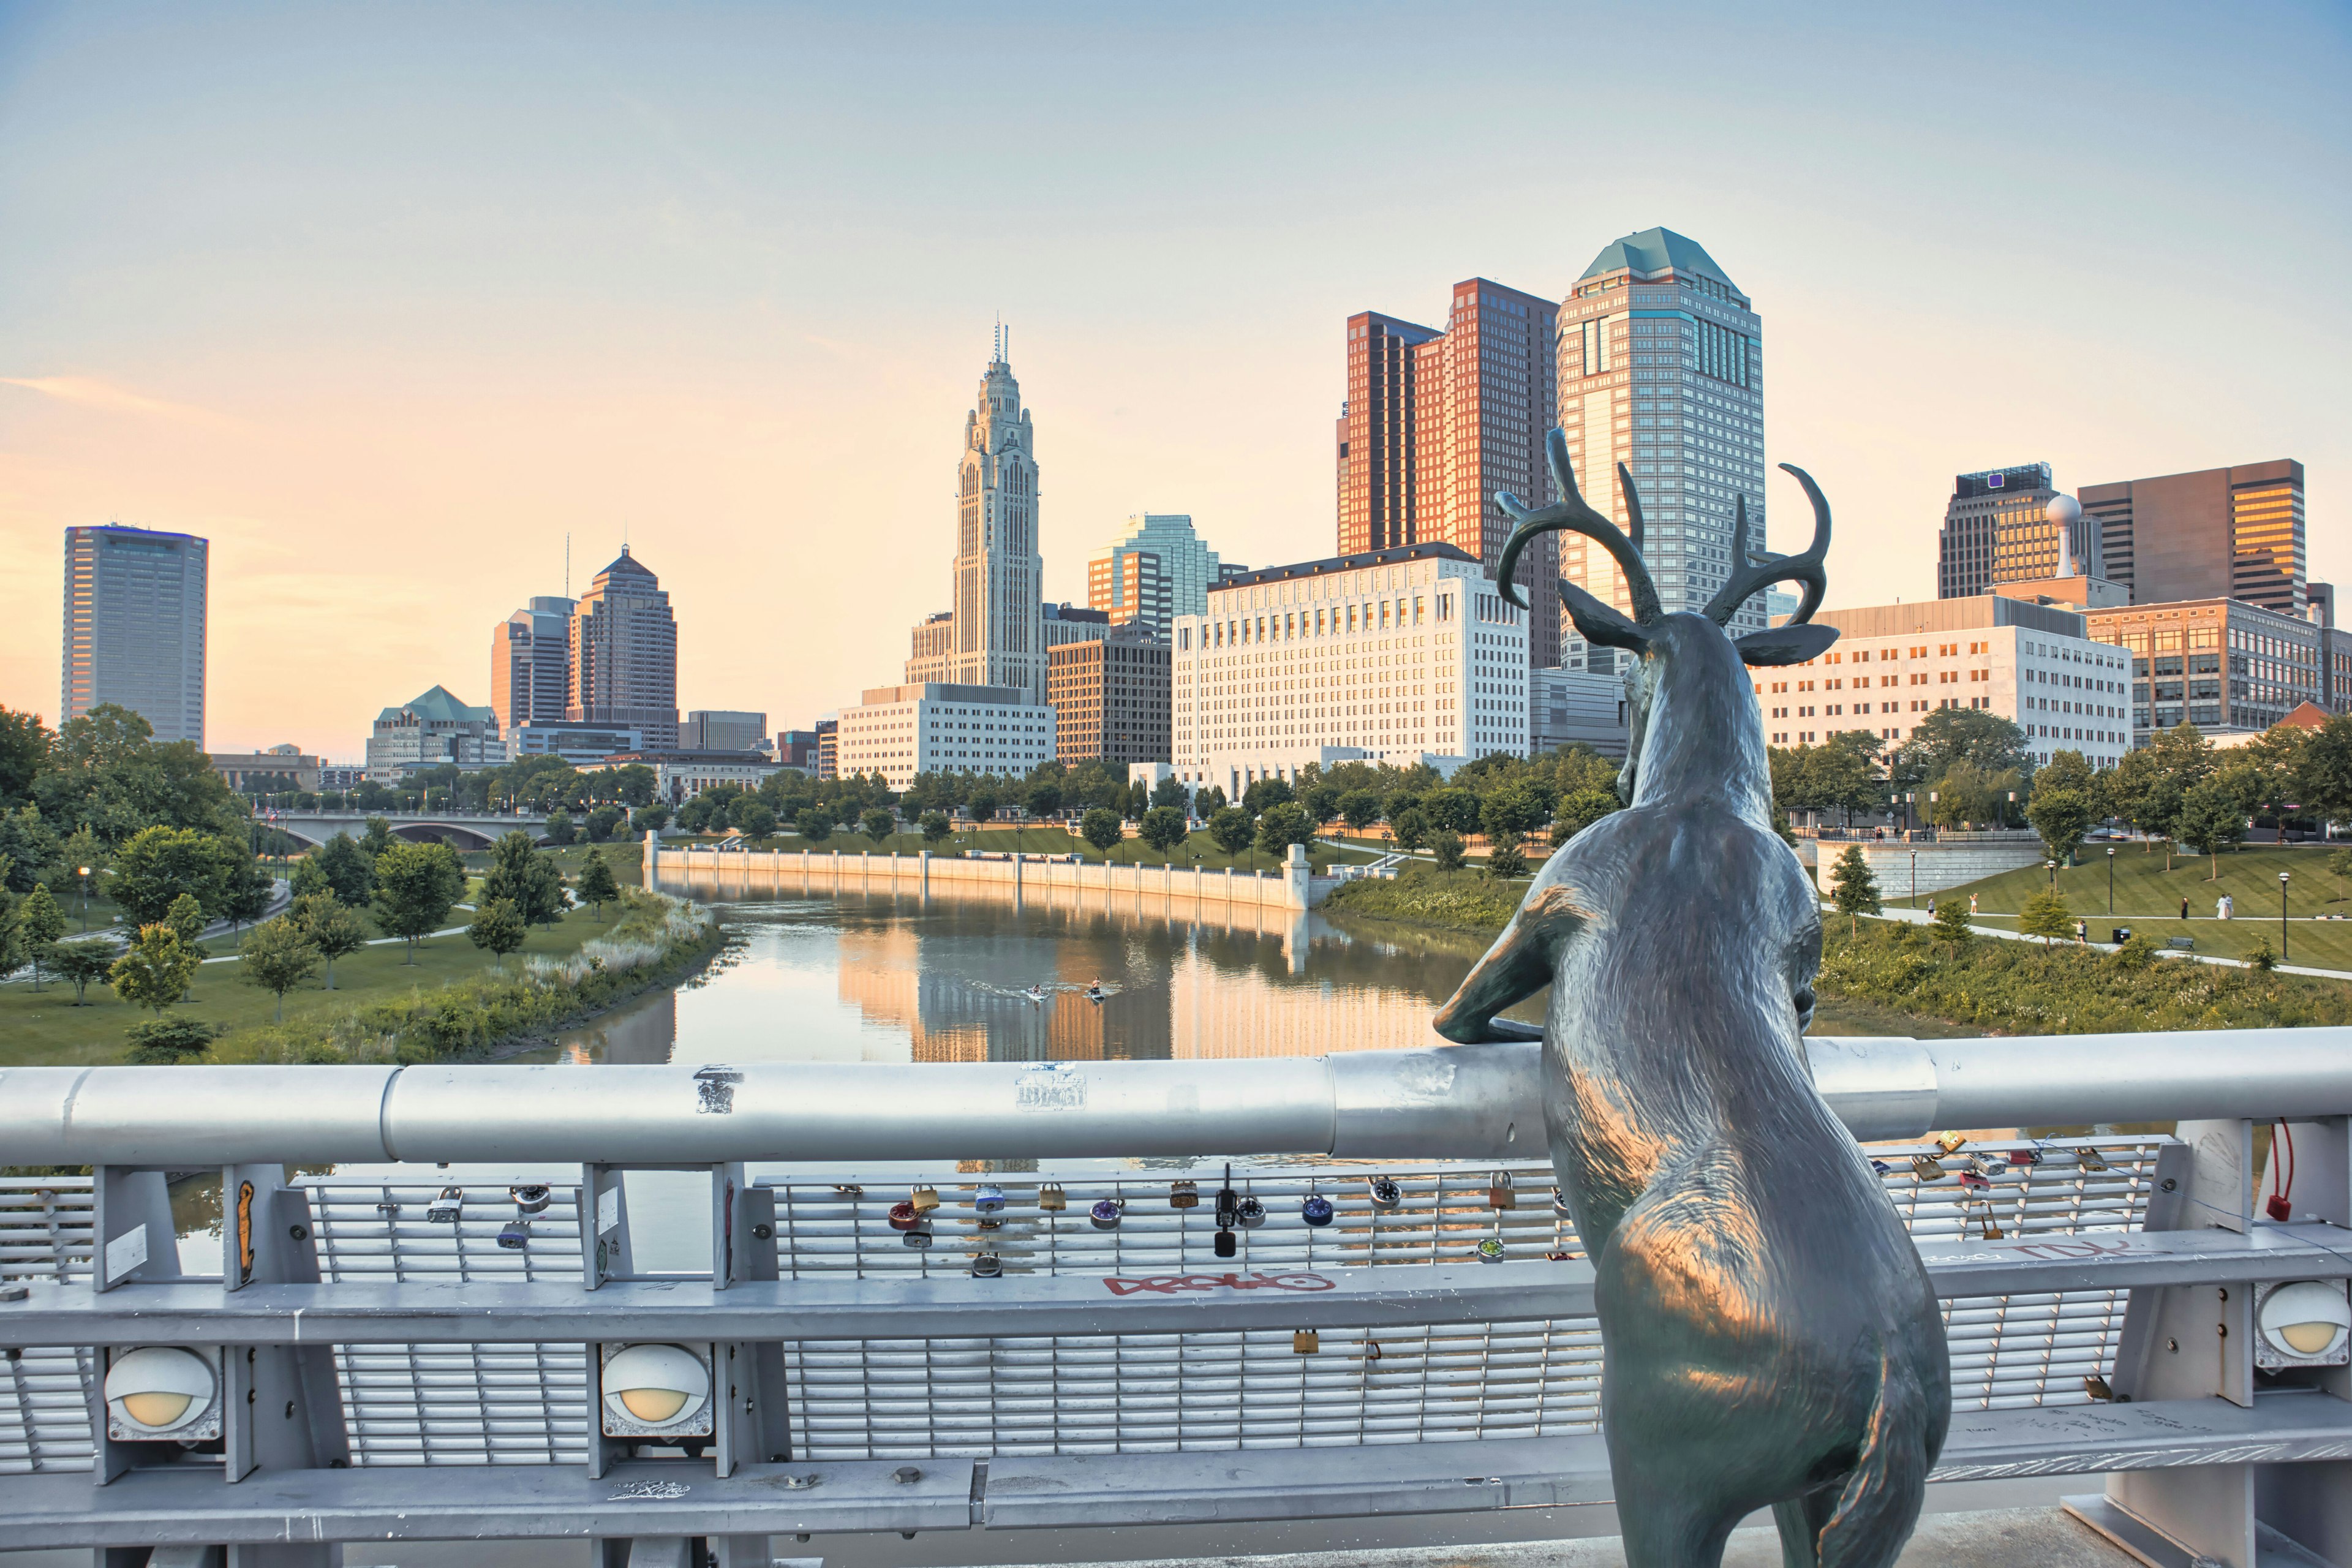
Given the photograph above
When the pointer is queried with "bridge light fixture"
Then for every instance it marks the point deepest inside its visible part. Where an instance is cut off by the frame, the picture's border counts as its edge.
(655, 1391)
(161, 1392)
(2303, 1322)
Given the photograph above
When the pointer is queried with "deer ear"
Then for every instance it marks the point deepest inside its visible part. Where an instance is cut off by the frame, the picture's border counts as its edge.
(1792, 644)
(1596, 622)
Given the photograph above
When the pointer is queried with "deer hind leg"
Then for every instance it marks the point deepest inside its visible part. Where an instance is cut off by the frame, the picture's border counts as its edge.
(1801, 1520)
(1669, 1515)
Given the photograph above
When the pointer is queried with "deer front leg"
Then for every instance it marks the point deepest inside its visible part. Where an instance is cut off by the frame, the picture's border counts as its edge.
(1519, 965)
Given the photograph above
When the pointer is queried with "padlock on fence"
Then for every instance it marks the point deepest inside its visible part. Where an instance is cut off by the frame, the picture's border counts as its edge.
(1105, 1214)
(1184, 1195)
(1052, 1198)
(1384, 1193)
(1924, 1167)
(1499, 1194)
(1317, 1210)
(924, 1199)
(1304, 1341)
(903, 1216)
(988, 1200)
(444, 1209)
(1227, 1245)
(1250, 1212)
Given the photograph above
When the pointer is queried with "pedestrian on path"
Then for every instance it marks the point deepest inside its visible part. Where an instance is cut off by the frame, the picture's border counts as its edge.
(1972, 906)
(2184, 906)
(2224, 907)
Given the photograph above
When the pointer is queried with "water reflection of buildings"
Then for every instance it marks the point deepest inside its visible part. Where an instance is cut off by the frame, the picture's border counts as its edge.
(953, 979)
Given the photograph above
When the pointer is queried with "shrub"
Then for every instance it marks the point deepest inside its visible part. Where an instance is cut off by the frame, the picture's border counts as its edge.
(1445, 846)
(167, 1042)
(1506, 859)
(2260, 956)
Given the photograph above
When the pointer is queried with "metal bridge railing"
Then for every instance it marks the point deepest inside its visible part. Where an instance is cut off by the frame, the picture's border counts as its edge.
(1031, 1367)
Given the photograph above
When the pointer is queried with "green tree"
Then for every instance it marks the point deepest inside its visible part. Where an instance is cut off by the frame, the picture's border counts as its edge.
(186, 918)
(250, 890)
(374, 839)
(1852, 888)
(40, 923)
(2274, 764)
(167, 1042)
(277, 956)
(594, 884)
(2144, 794)
(525, 877)
(1231, 828)
(1504, 859)
(330, 926)
(1283, 824)
(2260, 955)
(878, 824)
(936, 827)
(1445, 847)
(24, 749)
(107, 774)
(2339, 865)
(751, 816)
(815, 824)
(1409, 828)
(560, 827)
(1452, 808)
(416, 886)
(29, 844)
(2212, 817)
(604, 821)
(2328, 770)
(2072, 771)
(2061, 817)
(981, 806)
(1977, 736)
(160, 864)
(1359, 808)
(1043, 800)
(1102, 828)
(1580, 810)
(2045, 915)
(650, 818)
(1163, 828)
(349, 868)
(154, 971)
(1952, 923)
(498, 928)
(79, 964)
(1265, 794)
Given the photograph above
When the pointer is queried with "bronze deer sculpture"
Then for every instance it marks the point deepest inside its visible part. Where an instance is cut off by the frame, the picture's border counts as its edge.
(1769, 1332)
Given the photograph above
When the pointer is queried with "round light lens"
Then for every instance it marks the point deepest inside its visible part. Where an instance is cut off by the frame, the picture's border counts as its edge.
(656, 1386)
(159, 1389)
(2307, 1318)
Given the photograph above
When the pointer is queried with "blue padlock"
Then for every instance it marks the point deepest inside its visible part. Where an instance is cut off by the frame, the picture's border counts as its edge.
(1317, 1210)
(988, 1200)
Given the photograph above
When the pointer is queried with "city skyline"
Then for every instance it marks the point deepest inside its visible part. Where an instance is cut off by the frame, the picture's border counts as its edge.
(708, 334)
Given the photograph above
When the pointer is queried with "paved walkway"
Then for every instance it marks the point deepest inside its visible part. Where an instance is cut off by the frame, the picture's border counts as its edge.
(1921, 917)
(2001, 1538)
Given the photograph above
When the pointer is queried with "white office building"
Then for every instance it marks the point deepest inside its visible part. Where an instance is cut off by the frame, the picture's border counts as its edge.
(1399, 655)
(898, 731)
(2034, 665)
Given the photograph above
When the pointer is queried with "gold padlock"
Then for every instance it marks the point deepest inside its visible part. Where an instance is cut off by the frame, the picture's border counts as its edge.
(1184, 1196)
(1051, 1196)
(1304, 1341)
(1994, 1232)
(924, 1199)
(2090, 1158)
(1925, 1169)
(1499, 1195)
(1951, 1142)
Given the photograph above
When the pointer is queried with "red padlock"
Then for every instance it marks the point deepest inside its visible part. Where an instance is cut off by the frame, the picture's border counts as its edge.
(903, 1216)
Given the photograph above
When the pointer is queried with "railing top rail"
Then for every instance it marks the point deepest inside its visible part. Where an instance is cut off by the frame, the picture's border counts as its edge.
(1457, 1102)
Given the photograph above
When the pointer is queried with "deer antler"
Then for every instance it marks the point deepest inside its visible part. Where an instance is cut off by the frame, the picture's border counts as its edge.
(1757, 572)
(1571, 514)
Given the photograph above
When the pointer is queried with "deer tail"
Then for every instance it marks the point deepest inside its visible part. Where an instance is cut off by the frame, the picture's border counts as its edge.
(1884, 1492)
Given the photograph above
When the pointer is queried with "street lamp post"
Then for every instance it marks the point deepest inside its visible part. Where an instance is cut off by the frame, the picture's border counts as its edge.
(2052, 867)
(84, 872)
(1908, 796)
(2004, 811)
(2282, 917)
(2111, 879)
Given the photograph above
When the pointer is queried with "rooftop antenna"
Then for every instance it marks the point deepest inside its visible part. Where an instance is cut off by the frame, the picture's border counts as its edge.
(567, 563)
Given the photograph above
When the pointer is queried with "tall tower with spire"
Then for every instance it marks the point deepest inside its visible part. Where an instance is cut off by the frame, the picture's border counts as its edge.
(994, 634)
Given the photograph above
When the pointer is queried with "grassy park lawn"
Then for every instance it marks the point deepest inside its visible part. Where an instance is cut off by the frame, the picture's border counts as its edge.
(44, 1028)
(2147, 899)
(1059, 841)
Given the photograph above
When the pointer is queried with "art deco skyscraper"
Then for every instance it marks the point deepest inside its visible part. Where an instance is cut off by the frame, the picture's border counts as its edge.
(994, 633)
(625, 655)
(1436, 422)
(134, 626)
(1660, 368)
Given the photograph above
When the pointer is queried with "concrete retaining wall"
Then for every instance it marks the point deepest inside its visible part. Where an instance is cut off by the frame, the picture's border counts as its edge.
(1938, 866)
(1287, 889)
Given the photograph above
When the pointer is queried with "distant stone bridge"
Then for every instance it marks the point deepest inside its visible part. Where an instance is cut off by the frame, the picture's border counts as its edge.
(466, 829)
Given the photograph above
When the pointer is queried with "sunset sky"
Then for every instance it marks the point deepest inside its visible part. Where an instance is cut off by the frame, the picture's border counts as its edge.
(386, 302)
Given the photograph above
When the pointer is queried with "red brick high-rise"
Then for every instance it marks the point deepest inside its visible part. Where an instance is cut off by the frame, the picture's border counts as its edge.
(1437, 421)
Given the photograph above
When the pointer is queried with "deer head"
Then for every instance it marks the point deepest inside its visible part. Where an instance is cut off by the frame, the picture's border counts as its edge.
(1695, 722)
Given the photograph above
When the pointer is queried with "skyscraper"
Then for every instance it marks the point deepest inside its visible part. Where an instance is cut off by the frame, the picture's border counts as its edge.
(134, 626)
(994, 637)
(530, 663)
(624, 648)
(2219, 533)
(1186, 568)
(1660, 368)
(1437, 421)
